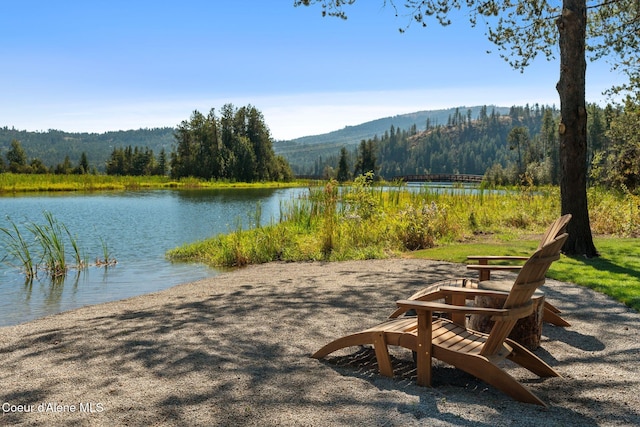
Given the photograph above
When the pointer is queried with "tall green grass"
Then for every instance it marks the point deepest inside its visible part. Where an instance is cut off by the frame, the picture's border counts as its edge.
(363, 221)
(107, 259)
(19, 183)
(19, 249)
(50, 237)
(45, 247)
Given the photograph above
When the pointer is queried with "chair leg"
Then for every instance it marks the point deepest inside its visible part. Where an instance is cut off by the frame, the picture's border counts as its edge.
(360, 338)
(501, 380)
(382, 354)
(523, 357)
(552, 317)
(481, 368)
(551, 307)
(424, 348)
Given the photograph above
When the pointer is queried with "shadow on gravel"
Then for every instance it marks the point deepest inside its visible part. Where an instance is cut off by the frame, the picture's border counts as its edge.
(240, 355)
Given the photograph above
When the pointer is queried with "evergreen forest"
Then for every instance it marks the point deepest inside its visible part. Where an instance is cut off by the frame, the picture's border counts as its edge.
(507, 146)
(56, 147)
(237, 146)
(519, 147)
(504, 146)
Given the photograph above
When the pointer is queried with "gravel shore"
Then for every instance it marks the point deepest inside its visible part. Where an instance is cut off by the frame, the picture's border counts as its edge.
(234, 350)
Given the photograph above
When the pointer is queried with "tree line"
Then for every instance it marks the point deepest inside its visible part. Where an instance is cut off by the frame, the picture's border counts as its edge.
(464, 144)
(55, 146)
(235, 146)
(18, 162)
(522, 146)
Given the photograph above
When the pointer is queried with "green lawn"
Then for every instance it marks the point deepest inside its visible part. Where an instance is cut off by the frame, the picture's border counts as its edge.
(615, 273)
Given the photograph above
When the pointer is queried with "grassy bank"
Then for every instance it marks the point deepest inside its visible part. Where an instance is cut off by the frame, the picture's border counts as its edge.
(362, 222)
(24, 183)
(615, 273)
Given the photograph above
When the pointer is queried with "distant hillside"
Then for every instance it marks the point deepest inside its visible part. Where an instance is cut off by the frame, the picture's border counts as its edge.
(53, 146)
(462, 144)
(303, 153)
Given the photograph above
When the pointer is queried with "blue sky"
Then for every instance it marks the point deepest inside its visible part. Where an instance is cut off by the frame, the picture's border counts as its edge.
(100, 65)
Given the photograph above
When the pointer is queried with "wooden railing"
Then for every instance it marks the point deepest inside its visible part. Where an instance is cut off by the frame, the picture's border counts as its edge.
(440, 177)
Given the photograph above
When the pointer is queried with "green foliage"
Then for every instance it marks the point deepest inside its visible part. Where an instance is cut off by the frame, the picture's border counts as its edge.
(136, 162)
(50, 237)
(614, 212)
(360, 199)
(521, 148)
(310, 155)
(236, 146)
(616, 163)
(463, 145)
(328, 202)
(16, 157)
(366, 159)
(107, 258)
(54, 146)
(420, 227)
(365, 221)
(13, 183)
(343, 173)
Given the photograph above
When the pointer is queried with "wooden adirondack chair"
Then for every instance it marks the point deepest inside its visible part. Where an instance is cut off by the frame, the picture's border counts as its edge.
(558, 227)
(450, 341)
(484, 268)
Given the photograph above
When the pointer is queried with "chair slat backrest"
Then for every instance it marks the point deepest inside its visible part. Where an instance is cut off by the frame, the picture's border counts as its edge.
(530, 277)
(557, 227)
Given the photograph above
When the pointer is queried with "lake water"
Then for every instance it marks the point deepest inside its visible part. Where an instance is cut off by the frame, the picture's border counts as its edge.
(138, 227)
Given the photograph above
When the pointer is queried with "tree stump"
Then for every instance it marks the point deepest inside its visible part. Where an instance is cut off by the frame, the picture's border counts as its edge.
(527, 331)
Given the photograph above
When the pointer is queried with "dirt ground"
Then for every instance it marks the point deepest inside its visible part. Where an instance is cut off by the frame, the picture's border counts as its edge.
(234, 350)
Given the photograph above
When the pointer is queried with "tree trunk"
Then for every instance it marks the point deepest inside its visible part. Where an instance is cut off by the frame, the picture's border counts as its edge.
(573, 127)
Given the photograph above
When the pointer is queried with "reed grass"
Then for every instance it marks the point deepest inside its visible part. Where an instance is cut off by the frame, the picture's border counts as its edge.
(107, 260)
(364, 221)
(46, 249)
(19, 249)
(50, 238)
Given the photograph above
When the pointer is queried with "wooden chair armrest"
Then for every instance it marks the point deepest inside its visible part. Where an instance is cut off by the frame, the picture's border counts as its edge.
(492, 288)
(495, 313)
(494, 267)
(484, 270)
(432, 292)
(471, 293)
(467, 293)
(498, 257)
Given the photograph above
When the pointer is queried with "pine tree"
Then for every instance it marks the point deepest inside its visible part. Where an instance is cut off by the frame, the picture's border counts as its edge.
(16, 157)
(342, 174)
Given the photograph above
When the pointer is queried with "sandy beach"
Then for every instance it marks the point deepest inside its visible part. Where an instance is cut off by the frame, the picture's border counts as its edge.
(234, 350)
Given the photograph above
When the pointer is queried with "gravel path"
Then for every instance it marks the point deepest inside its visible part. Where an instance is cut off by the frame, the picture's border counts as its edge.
(234, 350)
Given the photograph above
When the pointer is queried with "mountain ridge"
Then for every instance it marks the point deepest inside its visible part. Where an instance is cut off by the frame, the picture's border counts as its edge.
(400, 121)
(304, 151)
(53, 145)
